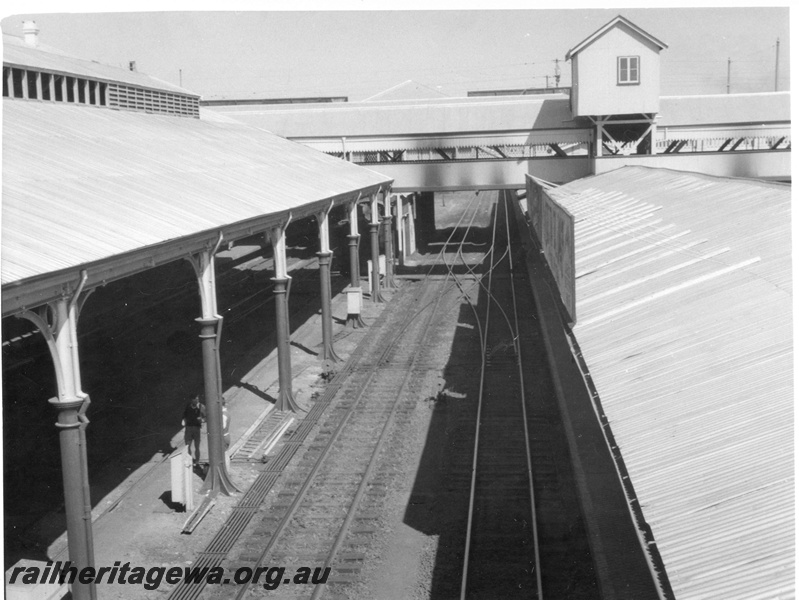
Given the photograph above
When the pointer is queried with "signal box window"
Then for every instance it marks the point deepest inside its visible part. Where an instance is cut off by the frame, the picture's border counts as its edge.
(628, 71)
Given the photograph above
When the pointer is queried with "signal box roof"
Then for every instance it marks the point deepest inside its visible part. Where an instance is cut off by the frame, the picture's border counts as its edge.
(619, 21)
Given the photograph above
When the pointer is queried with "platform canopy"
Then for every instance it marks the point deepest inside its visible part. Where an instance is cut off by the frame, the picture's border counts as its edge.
(116, 192)
(684, 300)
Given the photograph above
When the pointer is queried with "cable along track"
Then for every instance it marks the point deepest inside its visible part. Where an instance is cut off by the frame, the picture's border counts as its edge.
(524, 533)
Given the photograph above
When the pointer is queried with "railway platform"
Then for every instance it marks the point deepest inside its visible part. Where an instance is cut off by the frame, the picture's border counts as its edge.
(136, 522)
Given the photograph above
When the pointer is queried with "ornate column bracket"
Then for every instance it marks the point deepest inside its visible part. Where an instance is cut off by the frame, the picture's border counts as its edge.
(205, 271)
(57, 322)
(277, 237)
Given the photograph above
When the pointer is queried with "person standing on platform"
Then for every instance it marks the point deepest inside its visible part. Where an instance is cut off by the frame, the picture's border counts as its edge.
(193, 417)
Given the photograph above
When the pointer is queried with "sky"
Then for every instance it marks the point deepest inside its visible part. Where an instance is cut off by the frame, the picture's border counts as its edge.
(239, 52)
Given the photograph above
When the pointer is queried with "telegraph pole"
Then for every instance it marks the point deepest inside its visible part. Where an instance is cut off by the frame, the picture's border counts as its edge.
(729, 62)
(777, 68)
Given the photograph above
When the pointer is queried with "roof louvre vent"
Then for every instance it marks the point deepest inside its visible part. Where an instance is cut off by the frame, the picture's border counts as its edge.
(31, 33)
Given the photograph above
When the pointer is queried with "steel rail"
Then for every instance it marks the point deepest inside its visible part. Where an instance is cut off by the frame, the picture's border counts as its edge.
(473, 485)
(362, 486)
(517, 340)
(319, 589)
(292, 509)
(231, 532)
(515, 333)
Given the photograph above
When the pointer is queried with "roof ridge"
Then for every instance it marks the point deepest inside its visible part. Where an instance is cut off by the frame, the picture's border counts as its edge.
(609, 25)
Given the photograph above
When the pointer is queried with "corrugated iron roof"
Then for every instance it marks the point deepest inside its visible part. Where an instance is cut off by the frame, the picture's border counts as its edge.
(82, 184)
(684, 301)
(19, 54)
(725, 109)
(409, 117)
(407, 90)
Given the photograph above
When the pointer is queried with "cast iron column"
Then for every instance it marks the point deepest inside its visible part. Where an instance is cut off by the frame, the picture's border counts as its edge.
(58, 323)
(328, 353)
(400, 229)
(285, 399)
(354, 320)
(388, 245)
(388, 242)
(73, 465)
(355, 279)
(358, 260)
(374, 229)
(354, 292)
(217, 478)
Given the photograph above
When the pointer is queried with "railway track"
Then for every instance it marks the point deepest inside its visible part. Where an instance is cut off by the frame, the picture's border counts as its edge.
(328, 496)
(320, 499)
(341, 482)
(524, 536)
(501, 557)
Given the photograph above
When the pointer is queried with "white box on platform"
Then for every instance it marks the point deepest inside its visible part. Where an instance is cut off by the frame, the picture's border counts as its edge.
(354, 300)
(182, 478)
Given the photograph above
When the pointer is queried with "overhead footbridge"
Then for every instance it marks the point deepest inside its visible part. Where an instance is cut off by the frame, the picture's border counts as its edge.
(612, 115)
(493, 142)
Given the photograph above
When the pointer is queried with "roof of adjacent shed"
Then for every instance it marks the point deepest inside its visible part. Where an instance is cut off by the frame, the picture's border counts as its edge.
(83, 184)
(407, 90)
(684, 303)
(409, 117)
(19, 54)
(723, 109)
